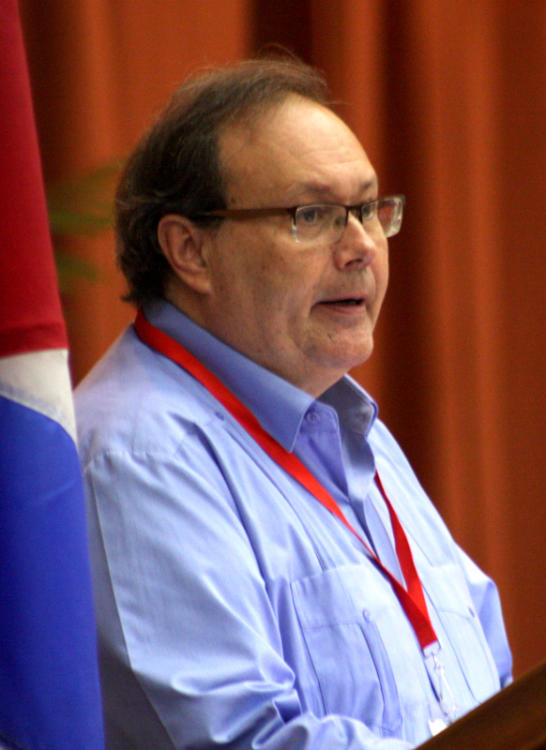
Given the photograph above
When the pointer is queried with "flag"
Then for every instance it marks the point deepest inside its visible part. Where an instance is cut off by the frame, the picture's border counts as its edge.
(49, 687)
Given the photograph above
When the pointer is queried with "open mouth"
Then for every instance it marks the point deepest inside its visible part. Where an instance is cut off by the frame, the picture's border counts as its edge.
(345, 302)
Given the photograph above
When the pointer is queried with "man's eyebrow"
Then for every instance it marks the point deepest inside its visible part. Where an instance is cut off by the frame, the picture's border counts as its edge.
(324, 190)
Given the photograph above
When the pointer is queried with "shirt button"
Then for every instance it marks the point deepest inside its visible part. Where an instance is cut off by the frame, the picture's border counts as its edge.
(367, 615)
(312, 417)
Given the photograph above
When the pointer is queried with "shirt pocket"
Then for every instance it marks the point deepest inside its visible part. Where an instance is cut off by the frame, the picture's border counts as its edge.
(460, 633)
(345, 647)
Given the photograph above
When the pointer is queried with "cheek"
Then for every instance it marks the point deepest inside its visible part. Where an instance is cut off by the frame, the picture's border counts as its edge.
(281, 283)
(251, 294)
(275, 302)
(381, 273)
(263, 278)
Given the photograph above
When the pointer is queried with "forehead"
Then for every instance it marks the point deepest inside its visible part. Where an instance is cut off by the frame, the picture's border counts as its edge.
(296, 151)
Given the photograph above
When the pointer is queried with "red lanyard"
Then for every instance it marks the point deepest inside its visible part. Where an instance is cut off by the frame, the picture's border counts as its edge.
(411, 599)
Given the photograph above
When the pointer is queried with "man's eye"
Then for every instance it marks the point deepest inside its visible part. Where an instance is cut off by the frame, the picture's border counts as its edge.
(312, 214)
(368, 210)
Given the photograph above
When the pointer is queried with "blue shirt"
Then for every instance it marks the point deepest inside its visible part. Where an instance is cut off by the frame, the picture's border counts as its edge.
(232, 608)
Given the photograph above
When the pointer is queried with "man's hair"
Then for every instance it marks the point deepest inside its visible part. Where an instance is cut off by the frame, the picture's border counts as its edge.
(175, 166)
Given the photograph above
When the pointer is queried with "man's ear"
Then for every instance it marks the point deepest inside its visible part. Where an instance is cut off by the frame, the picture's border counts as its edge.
(182, 245)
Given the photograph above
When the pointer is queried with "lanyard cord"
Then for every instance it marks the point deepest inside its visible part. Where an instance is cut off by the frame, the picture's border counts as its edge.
(411, 599)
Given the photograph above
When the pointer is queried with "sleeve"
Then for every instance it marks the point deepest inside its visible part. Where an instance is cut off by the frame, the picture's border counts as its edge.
(191, 656)
(487, 604)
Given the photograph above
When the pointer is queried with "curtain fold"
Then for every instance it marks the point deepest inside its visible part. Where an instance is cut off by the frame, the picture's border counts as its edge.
(448, 100)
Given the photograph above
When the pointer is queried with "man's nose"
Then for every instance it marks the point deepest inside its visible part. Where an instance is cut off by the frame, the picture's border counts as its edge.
(356, 246)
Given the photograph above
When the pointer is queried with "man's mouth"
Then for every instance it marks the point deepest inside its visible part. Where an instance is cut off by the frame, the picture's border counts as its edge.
(349, 301)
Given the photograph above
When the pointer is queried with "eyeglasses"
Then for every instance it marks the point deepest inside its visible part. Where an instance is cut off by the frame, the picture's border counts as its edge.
(381, 217)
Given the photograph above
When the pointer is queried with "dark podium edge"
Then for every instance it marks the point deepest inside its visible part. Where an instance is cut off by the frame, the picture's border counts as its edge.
(513, 719)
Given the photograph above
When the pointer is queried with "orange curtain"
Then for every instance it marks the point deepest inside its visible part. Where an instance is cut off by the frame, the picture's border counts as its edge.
(448, 97)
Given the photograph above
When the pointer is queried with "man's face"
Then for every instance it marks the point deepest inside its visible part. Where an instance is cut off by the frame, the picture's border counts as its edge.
(306, 311)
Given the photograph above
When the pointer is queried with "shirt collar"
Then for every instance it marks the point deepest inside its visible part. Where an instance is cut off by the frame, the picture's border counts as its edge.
(277, 404)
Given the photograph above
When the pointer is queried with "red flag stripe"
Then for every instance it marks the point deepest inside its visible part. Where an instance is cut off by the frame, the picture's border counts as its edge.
(30, 310)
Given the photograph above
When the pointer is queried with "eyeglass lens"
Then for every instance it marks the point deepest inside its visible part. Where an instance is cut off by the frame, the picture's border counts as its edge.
(383, 216)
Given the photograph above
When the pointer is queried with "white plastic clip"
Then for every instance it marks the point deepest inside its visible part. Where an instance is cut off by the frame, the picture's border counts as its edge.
(445, 693)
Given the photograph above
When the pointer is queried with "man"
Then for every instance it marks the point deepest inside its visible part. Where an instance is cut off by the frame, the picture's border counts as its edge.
(221, 437)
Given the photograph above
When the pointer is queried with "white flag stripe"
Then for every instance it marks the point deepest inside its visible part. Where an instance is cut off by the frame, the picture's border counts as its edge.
(41, 381)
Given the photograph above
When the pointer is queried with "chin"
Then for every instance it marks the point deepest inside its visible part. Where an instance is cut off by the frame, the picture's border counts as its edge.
(336, 368)
(353, 356)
